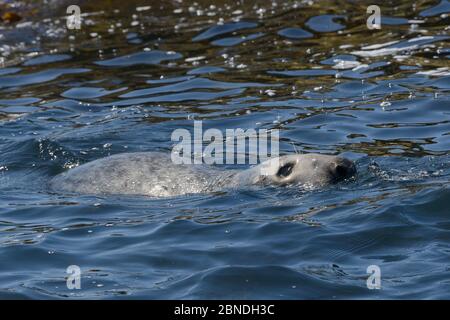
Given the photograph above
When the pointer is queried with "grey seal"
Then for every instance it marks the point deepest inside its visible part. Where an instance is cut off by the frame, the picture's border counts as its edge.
(154, 174)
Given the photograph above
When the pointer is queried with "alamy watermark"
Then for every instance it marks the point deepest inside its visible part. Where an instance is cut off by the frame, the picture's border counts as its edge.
(74, 20)
(374, 279)
(237, 146)
(374, 20)
(74, 277)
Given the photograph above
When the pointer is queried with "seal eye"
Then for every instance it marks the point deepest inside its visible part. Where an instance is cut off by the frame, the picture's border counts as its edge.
(285, 170)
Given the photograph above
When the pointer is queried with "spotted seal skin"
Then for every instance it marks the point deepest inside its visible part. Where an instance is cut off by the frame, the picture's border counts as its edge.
(154, 174)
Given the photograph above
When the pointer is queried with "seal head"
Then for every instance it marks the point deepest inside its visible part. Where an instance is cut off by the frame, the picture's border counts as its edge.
(312, 169)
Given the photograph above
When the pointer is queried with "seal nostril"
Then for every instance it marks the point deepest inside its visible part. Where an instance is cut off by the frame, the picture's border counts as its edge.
(344, 169)
(341, 171)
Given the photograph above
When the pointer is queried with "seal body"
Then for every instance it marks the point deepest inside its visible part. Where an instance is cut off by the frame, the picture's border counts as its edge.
(154, 174)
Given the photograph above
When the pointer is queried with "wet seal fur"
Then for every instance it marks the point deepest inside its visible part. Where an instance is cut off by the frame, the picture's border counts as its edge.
(154, 174)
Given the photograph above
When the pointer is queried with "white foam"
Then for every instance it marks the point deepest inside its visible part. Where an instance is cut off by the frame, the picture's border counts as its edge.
(443, 71)
(377, 50)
